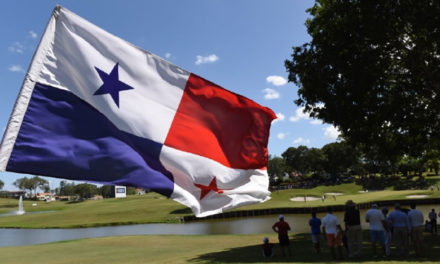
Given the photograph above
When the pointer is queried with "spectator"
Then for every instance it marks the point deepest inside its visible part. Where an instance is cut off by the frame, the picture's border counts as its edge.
(282, 228)
(353, 229)
(332, 230)
(433, 218)
(416, 222)
(388, 231)
(401, 229)
(267, 248)
(315, 226)
(427, 226)
(376, 220)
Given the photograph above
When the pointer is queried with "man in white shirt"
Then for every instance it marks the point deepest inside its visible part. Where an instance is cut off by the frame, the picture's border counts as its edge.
(332, 230)
(377, 227)
(417, 223)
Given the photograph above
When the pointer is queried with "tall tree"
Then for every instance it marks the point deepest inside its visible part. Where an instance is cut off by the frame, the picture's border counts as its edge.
(66, 188)
(85, 190)
(296, 158)
(372, 69)
(1, 184)
(31, 184)
(339, 158)
(276, 167)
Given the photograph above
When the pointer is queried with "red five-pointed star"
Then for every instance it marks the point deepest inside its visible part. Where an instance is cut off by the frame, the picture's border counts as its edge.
(206, 189)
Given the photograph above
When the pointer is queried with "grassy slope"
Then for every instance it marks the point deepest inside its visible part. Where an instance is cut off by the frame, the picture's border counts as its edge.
(153, 207)
(184, 249)
(135, 209)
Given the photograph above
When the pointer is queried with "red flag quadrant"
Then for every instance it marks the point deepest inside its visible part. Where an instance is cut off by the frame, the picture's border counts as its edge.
(223, 126)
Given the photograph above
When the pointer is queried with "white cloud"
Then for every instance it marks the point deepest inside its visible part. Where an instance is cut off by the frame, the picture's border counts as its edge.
(280, 117)
(270, 94)
(316, 122)
(16, 68)
(167, 55)
(276, 80)
(17, 47)
(301, 141)
(331, 132)
(299, 114)
(206, 59)
(281, 135)
(32, 34)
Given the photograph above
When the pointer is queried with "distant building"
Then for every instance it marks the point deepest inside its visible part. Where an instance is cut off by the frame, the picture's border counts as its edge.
(17, 194)
(140, 191)
(97, 197)
(48, 197)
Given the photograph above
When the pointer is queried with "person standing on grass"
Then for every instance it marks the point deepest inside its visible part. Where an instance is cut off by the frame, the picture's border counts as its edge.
(416, 221)
(282, 228)
(401, 229)
(315, 226)
(388, 233)
(332, 230)
(353, 229)
(376, 220)
(433, 218)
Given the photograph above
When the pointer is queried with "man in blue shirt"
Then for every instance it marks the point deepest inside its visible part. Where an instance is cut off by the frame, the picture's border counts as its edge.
(401, 228)
(315, 225)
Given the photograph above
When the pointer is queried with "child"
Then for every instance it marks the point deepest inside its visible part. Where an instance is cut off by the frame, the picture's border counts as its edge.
(267, 248)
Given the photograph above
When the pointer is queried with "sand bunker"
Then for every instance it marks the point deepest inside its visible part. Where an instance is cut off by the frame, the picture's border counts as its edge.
(301, 198)
(415, 196)
(333, 193)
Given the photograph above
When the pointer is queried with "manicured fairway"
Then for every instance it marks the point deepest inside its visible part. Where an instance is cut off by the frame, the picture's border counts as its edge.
(188, 249)
(154, 208)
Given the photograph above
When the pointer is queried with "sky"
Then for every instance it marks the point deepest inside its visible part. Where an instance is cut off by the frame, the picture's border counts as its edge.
(240, 45)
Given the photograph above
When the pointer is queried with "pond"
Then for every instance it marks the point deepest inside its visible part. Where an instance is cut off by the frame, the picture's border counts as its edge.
(251, 225)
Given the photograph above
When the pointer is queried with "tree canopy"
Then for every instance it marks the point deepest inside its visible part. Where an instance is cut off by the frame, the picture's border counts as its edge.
(372, 69)
(31, 184)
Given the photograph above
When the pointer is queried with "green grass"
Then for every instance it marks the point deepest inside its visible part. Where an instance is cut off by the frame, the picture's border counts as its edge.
(154, 208)
(190, 249)
(150, 208)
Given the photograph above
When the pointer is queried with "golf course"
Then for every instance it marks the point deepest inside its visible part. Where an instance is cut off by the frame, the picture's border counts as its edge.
(154, 208)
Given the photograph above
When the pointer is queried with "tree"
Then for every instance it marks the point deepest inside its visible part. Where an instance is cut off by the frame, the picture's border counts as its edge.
(107, 191)
(1, 184)
(340, 157)
(276, 167)
(372, 69)
(67, 189)
(31, 184)
(314, 159)
(295, 158)
(85, 190)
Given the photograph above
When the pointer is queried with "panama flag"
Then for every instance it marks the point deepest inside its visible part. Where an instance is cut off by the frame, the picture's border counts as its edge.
(96, 108)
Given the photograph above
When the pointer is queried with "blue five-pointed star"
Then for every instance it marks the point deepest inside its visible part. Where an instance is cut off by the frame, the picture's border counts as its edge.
(112, 85)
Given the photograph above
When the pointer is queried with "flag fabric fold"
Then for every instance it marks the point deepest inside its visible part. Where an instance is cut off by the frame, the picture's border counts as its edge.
(96, 108)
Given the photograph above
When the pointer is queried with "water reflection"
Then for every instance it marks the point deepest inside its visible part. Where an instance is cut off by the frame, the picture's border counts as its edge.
(251, 225)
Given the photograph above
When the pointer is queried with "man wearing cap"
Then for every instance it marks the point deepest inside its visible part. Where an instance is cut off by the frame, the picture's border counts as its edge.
(282, 228)
(377, 227)
(353, 229)
(401, 229)
(267, 248)
(332, 231)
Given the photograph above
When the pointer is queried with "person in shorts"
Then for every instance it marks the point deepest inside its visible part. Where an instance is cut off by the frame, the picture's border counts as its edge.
(315, 226)
(282, 228)
(376, 219)
(332, 230)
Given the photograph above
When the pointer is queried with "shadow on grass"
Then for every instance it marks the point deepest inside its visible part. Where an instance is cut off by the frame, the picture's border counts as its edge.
(302, 251)
(182, 211)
